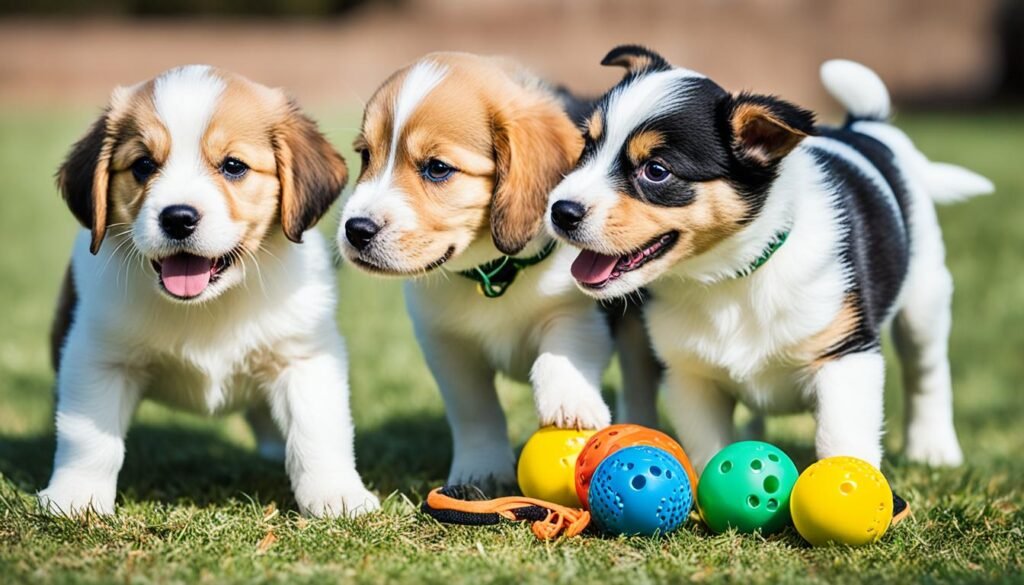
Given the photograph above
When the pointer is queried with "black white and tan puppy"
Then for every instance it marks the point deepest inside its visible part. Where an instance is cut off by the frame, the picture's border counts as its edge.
(459, 153)
(191, 284)
(775, 251)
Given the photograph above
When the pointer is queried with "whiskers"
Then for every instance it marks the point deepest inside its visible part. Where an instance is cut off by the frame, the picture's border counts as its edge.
(125, 253)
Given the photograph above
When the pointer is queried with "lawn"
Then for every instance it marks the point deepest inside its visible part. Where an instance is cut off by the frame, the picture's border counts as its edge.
(196, 504)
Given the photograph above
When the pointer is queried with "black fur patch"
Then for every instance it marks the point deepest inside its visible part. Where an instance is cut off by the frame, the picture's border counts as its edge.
(875, 249)
(636, 59)
(699, 145)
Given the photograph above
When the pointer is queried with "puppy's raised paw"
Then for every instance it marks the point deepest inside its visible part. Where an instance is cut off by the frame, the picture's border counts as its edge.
(570, 410)
(328, 498)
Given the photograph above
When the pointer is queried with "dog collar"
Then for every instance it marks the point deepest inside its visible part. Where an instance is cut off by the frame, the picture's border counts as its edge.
(493, 278)
(773, 246)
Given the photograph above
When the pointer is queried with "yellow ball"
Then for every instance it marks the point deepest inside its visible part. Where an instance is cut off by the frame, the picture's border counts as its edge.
(841, 500)
(547, 465)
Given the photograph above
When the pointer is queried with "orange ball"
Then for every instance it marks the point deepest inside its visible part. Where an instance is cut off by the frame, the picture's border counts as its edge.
(611, 439)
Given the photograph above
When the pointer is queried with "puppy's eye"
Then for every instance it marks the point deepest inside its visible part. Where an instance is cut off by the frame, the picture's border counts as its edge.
(364, 155)
(653, 171)
(437, 171)
(233, 169)
(143, 168)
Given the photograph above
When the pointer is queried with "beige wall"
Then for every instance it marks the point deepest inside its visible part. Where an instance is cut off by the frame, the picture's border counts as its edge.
(921, 47)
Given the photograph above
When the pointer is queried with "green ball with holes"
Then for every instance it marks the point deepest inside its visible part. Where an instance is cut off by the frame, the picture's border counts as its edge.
(746, 486)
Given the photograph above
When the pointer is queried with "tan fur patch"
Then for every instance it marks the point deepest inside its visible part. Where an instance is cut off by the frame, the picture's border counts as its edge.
(242, 127)
(632, 62)
(715, 214)
(761, 134)
(595, 125)
(815, 349)
(642, 144)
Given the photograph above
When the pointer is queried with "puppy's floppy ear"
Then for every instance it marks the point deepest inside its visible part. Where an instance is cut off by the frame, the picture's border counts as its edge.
(535, 145)
(635, 59)
(312, 174)
(765, 129)
(84, 177)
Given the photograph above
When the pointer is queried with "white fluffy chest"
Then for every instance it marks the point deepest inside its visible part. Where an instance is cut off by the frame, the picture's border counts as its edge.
(746, 333)
(449, 309)
(212, 357)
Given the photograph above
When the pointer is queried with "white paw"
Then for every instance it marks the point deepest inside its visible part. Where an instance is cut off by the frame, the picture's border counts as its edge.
(72, 497)
(926, 444)
(332, 498)
(566, 409)
(494, 473)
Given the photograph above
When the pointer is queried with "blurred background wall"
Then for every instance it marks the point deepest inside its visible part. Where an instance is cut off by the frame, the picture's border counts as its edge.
(933, 53)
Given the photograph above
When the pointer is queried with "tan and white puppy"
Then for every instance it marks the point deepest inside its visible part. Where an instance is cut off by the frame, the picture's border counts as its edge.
(191, 285)
(459, 152)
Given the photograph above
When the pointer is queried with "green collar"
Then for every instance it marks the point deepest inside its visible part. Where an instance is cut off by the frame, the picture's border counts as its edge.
(772, 247)
(493, 278)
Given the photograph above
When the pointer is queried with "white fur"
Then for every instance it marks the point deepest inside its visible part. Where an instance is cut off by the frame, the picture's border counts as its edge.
(269, 342)
(542, 331)
(858, 89)
(185, 100)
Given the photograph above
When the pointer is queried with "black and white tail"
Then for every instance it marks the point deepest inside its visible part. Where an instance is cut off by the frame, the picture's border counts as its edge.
(864, 96)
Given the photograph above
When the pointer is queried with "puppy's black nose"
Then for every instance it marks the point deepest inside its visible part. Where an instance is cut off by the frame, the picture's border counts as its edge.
(567, 215)
(360, 231)
(179, 221)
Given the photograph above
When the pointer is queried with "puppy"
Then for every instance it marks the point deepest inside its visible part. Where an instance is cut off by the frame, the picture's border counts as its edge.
(191, 285)
(459, 153)
(775, 252)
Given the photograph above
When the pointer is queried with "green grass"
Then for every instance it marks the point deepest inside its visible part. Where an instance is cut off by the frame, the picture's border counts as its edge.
(195, 503)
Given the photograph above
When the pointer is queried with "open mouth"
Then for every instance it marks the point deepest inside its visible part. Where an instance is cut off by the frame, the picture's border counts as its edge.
(595, 270)
(435, 264)
(186, 276)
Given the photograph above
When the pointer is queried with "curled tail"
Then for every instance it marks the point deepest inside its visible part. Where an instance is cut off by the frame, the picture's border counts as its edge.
(864, 96)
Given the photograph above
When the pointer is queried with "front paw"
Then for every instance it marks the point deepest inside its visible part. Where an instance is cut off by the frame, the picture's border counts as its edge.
(333, 498)
(938, 448)
(74, 497)
(495, 475)
(572, 410)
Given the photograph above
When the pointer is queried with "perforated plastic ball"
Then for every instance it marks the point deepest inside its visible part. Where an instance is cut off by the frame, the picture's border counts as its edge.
(610, 439)
(640, 490)
(747, 486)
(841, 500)
(547, 465)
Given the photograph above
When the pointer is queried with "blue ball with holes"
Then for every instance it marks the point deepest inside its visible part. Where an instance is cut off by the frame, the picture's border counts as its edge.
(640, 490)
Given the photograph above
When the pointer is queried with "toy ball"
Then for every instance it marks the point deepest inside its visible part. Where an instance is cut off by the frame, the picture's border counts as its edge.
(747, 486)
(640, 490)
(611, 439)
(547, 465)
(841, 500)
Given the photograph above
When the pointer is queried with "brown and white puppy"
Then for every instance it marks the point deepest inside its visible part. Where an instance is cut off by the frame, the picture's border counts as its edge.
(191, 285)
(459, 152)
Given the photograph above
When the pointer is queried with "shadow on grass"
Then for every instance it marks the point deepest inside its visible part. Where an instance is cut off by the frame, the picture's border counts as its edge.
(180, 464)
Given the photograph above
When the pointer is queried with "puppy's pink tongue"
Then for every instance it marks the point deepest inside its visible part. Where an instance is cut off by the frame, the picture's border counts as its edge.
(593, 268)
(185, 275)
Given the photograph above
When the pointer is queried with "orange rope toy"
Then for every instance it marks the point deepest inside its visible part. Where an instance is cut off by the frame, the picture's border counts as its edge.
(549, 520)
